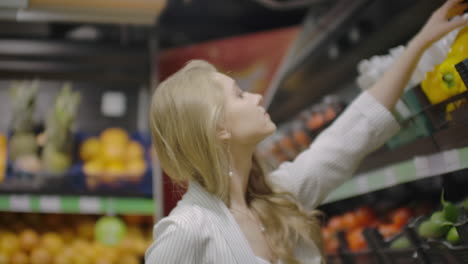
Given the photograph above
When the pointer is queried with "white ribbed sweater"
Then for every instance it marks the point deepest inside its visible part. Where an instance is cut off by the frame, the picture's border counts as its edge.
(201, 230)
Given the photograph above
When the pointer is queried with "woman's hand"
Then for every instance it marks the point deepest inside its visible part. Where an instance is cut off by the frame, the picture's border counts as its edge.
(442, 22)
(388, 89)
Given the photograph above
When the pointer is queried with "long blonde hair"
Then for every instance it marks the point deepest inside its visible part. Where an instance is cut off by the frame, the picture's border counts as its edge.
(186, 111)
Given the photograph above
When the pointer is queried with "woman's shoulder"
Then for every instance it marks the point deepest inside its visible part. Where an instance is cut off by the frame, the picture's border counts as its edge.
(184, 218)
(178, 236)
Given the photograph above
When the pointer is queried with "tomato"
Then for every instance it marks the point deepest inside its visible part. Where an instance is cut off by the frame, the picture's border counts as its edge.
(401, 216)
(356, 240)
(388, 230)
(331, 246)
(365, 216)
(335, 223)
(350, 221)
(327, 233)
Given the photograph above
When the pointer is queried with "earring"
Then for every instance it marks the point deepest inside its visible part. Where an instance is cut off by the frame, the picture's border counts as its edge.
(230, 168)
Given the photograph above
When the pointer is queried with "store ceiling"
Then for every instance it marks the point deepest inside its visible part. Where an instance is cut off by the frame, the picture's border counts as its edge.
(191, 21)
(99, 11)
(182, 22)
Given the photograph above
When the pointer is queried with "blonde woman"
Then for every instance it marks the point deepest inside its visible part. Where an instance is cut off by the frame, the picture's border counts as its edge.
(205, 131)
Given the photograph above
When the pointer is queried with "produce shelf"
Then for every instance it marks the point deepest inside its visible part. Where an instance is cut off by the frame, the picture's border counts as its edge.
(414, 169)
(76, 204)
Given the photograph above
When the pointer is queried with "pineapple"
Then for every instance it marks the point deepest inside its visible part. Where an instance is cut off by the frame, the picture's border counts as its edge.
(23, 98)
(57, 151)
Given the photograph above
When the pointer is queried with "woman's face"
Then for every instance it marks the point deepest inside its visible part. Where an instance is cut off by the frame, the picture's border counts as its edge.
(246, 120)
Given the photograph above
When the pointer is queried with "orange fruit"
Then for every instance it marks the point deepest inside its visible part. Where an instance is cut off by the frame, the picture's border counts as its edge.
(4, 258)
(67, 234)
(85, 231)
(140, 246)
(128, 259)
(365, 216)
(28, 239)
(336, 223)
(63, 259)
(401, 216)
(19, 258)
(93, 167)
(327, 233)
(114, 135)
(9, 243)
(135, 150)
(82, 259)
(114, 170)
(136, 168)
(40, 256)
(103, 260)
(90, 149)
(350, 221)
(356, 240)
(52, 242)
(111, 152)
(331, 246)
(388, 230)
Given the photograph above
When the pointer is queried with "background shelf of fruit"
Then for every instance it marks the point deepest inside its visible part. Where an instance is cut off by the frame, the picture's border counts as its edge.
(58, 157)
(439, 227)
(401, 219)
(68, 239)
(295, 136)
(434, 99)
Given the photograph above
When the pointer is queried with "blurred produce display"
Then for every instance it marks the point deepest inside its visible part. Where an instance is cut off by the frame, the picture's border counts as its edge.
(352, 223)
(58, 147)
(113, 157)
(55, 156)
(295, 136)
(47, 152)
(400, 231)
(23, 143)
(69, 239)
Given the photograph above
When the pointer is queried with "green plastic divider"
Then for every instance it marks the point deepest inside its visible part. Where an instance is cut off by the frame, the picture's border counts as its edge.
(4, 203)
(403, 172)
(71, 204)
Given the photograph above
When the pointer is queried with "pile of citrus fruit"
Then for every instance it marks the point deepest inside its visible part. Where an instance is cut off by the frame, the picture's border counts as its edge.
(112, 156)
(61, 239)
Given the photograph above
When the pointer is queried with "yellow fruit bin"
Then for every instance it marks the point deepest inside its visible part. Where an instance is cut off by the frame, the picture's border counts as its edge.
(114, 161)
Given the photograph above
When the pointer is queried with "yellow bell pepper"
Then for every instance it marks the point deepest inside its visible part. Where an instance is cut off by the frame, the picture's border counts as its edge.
(444, 81)
(431, 86)
(459, 47)
(452, 84)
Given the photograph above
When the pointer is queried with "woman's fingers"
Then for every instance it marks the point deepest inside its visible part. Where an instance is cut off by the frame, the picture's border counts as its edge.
(457, 22)
(449, 5)
(457, 10)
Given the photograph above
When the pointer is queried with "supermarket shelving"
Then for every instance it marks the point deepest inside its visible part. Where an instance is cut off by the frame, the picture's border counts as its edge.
(414, 169)
(76, 204)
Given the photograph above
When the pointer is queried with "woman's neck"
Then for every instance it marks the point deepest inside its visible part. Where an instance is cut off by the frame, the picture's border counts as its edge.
(241, 165)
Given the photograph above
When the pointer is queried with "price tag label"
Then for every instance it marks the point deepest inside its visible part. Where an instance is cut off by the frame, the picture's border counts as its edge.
(49, 204)
(422, 167)
(390, 178)
(452, 160)
(20, 203)
(362, 184)
(90, 205)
